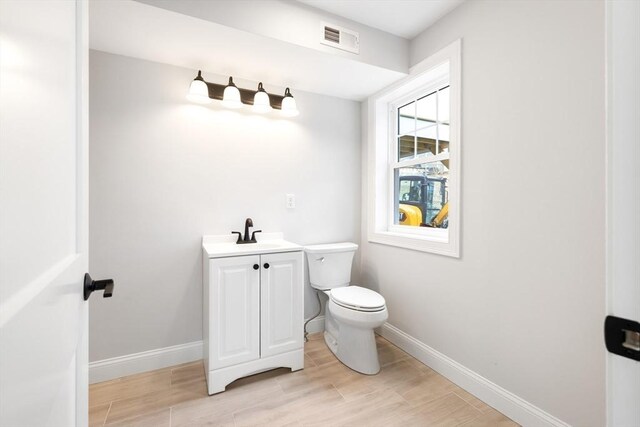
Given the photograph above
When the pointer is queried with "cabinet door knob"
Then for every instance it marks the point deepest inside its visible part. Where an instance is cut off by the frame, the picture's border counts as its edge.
(266, 265)
(256, 266)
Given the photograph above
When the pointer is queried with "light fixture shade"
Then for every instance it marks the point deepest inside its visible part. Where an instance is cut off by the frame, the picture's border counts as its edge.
(261, 102)
(198, 91)
(231, 96)
(289, 107)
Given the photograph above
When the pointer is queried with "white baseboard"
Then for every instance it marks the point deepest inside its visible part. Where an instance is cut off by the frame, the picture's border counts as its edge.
(116, 367)
(316, 325)
(512, 406)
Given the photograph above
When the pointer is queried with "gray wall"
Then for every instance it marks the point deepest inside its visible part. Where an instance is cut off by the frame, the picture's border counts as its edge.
(524, 304)
(165, 171)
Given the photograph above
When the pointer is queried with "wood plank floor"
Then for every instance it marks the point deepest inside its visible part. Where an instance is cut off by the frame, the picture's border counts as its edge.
(325, 393)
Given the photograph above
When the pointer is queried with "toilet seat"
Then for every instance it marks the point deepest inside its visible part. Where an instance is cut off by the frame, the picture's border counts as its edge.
(357, 298)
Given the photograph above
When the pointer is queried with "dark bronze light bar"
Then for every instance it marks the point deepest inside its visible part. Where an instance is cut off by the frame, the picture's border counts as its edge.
(247, 96)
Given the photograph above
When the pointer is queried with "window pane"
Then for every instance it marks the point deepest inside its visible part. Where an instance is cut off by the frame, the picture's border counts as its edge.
(443, 105)
(426, 144)
(406, 147)
(407, 119)
(422, 194)
(426, 111)
(426, 147)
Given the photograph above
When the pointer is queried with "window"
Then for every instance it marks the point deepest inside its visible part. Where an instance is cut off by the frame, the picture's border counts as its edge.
(420, 169)
(414, 158)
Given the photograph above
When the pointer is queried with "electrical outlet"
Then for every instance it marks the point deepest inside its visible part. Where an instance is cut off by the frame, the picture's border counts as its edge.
(291, 201)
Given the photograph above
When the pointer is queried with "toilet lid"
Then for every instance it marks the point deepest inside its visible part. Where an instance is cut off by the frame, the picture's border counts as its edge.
(358, 298)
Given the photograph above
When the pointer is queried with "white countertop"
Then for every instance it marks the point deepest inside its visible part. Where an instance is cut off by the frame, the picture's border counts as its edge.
(218, 246)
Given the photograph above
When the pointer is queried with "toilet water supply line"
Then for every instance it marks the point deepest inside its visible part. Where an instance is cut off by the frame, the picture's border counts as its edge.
(310, 319)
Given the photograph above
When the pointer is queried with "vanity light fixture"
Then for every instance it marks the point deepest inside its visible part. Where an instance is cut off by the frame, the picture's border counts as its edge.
(261, 102)
(198, 91)
(232, 96)
(289, 108)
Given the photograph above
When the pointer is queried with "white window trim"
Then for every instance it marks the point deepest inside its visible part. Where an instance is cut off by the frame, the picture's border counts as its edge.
(380, 228)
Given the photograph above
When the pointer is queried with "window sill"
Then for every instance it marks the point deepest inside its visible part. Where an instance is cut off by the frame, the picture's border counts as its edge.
(419, 243)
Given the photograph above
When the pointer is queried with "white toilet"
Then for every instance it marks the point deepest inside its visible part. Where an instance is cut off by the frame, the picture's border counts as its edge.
(352, 312)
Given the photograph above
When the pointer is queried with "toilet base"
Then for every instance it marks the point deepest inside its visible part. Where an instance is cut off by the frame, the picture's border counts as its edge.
(353, 342)
(358, 351)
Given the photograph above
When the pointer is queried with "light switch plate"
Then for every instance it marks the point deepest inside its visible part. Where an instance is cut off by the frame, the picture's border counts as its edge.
(291, 201)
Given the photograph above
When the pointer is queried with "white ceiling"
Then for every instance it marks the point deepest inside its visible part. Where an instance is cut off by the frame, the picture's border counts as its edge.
(404, 18)
(141, 31)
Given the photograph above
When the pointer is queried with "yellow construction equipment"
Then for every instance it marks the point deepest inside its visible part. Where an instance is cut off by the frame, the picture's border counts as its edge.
(410, 215)
(440, 217)
(422, 201)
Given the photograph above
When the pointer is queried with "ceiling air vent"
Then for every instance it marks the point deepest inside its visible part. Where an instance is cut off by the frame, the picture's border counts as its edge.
(331, 35)
(340, 37)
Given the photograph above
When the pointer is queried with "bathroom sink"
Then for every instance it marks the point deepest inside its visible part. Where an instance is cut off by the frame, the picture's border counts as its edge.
(260, 246)
(225, 245)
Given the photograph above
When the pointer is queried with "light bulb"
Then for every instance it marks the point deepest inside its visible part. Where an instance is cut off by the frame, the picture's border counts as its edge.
(261, 102)
(198, 91)
(231, 96)
(289, 108)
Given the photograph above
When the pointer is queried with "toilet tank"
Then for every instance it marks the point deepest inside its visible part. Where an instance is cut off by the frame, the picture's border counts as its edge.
(330, 264)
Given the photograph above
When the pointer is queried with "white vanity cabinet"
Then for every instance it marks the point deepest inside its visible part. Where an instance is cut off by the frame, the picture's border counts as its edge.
(253, 311)
(281, 303)
(232, 302)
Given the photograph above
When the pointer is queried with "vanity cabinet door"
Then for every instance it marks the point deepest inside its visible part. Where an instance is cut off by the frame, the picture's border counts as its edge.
(282, 304)
(234, 307)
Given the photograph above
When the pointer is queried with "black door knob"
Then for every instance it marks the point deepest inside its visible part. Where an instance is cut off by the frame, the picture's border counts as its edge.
(256, 266)
(91, 285)
(266, 265)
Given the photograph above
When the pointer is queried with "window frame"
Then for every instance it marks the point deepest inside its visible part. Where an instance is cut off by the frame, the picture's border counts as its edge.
(395, 163)
(427, 76)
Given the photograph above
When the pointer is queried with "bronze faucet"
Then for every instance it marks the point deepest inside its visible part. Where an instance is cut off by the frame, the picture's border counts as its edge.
(247, 224)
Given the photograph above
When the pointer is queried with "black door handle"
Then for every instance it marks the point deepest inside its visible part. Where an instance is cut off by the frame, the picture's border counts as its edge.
(256, 266)
(622, 337)
(266, 265)
(91, 285)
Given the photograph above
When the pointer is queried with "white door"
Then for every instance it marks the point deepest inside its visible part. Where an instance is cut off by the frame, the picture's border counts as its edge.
(43, 213)
(623, 206)
(234, 306)
(281, 303)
